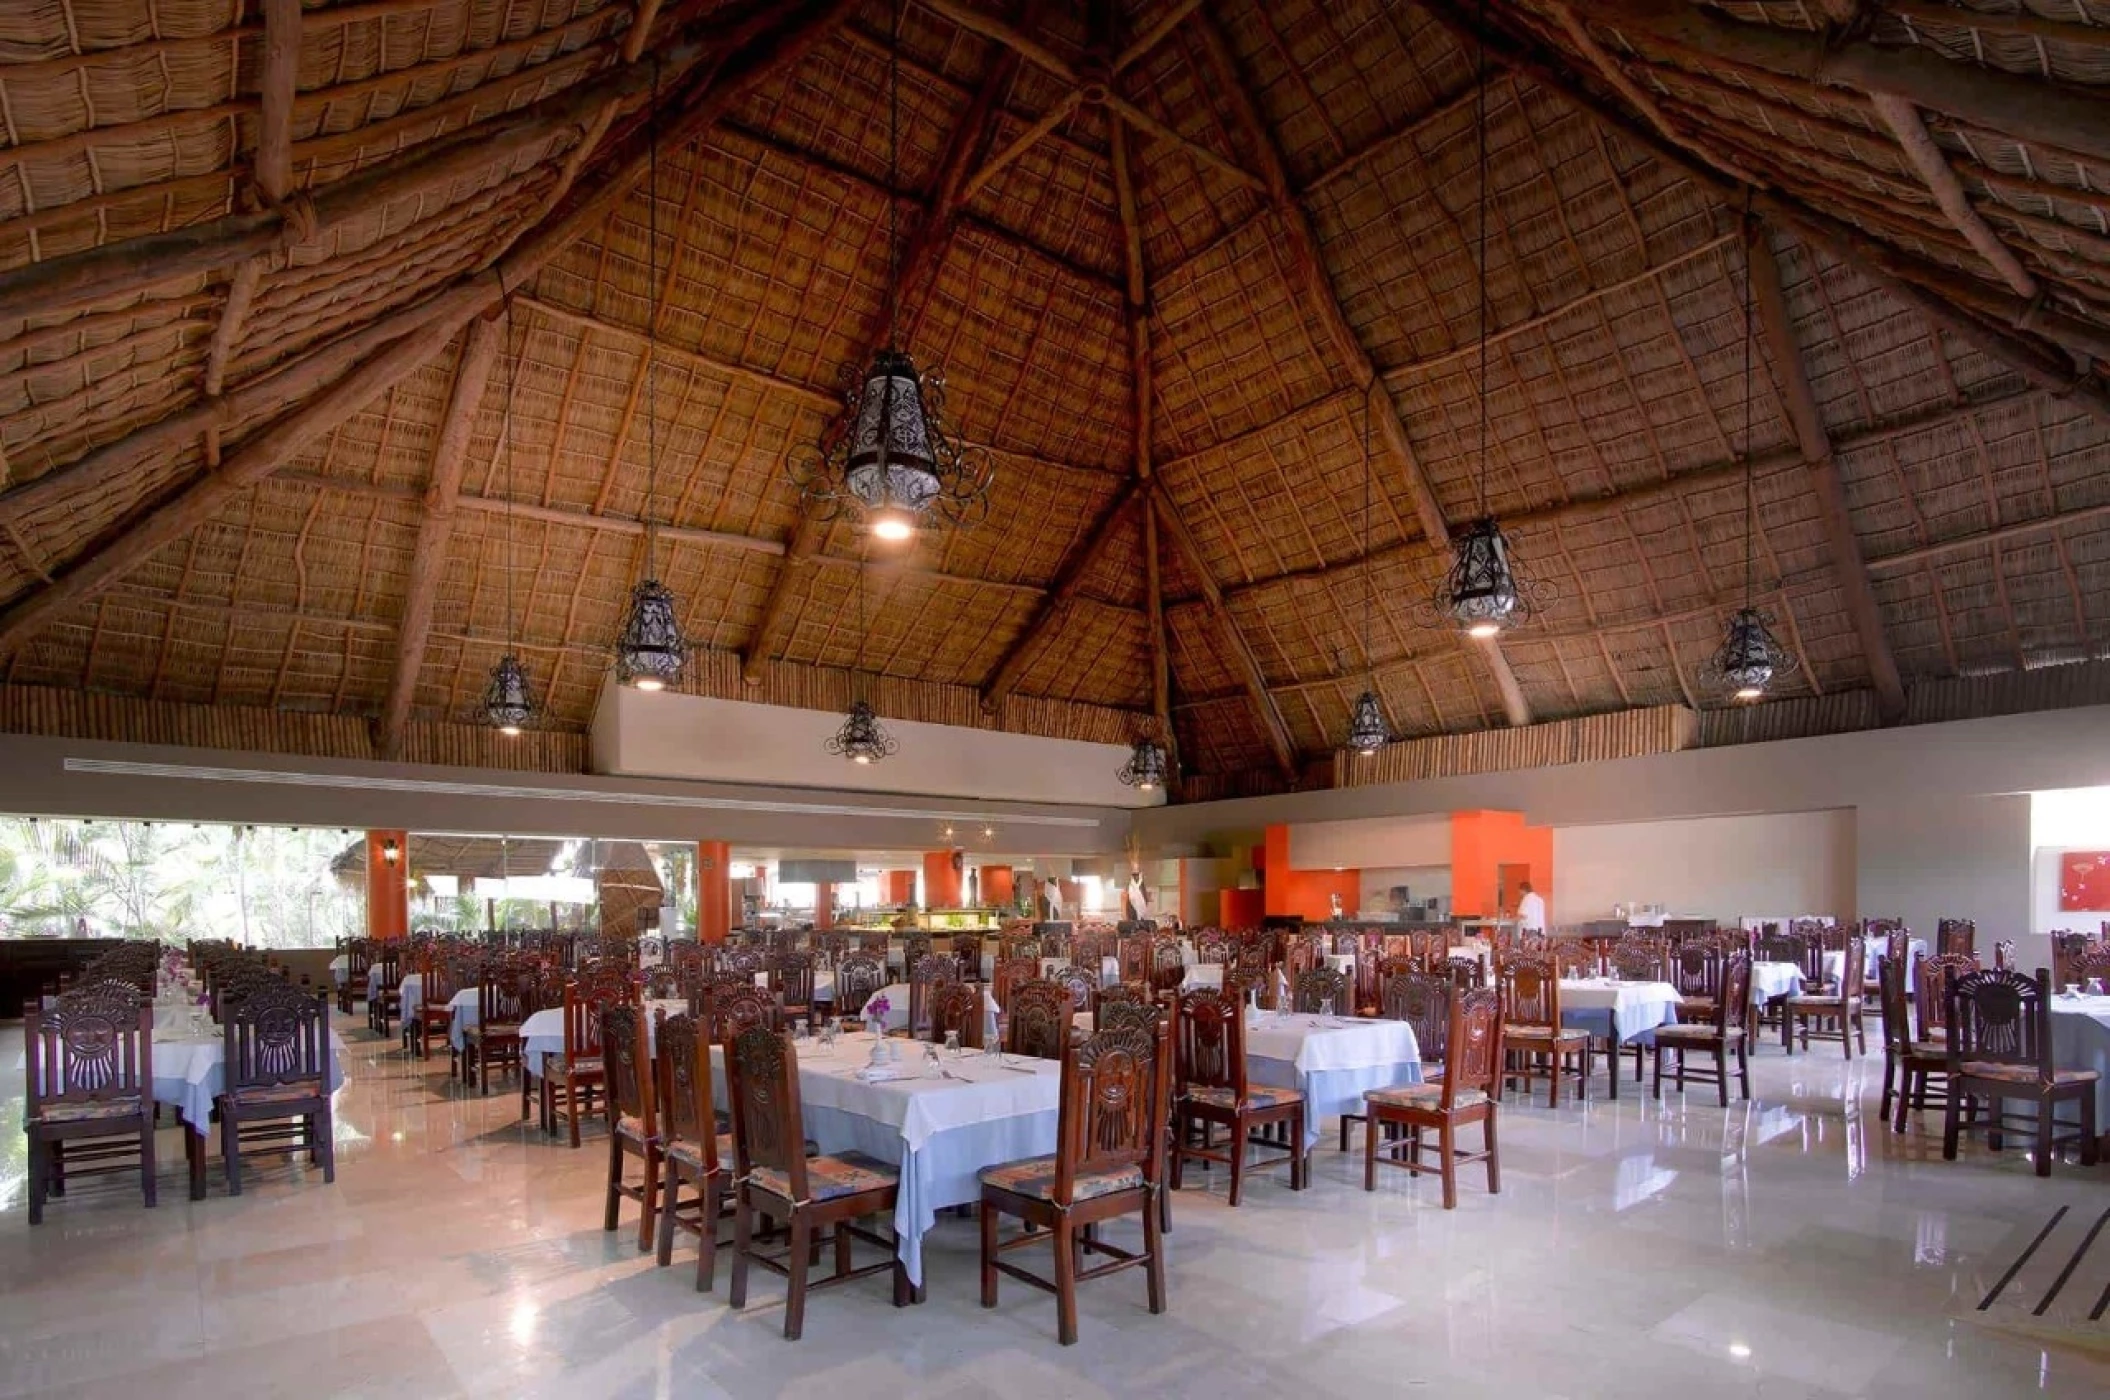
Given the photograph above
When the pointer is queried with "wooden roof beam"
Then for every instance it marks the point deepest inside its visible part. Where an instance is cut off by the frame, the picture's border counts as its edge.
(2024, 107)
(1930, 288)
(1610, 69)
(1904, 122)
(1325, 303)
(1242, 658)
(280, 78)
(1830, 487)
(428, 560)
(1017, 40)
(408, 339)
(1061, 592)
(1001, 161)
(1146, 43)
(920, 262)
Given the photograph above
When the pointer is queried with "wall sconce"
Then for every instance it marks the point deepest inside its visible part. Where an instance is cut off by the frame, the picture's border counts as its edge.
(390, 852)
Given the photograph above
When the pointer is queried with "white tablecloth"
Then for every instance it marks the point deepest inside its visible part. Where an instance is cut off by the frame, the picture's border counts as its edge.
(1774, 979)
(190, 1072)
(1836, 959)
(2080, 1039)
(1332, 1062)
(542, 1034)
(940, 1132)
(340, 968)
(1636, 1007)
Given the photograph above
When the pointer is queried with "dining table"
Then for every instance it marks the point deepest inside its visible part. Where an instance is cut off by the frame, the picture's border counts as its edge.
(1774, 979)
(2080, 1039)
(1332, 1060)
(1619, 1011)
(1835, 959)
(190, 1073)
(939, 1118)
(896, 1018)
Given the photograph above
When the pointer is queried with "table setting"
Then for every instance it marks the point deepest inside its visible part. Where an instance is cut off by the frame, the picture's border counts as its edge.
(2080, 1039)
(1332, 1060)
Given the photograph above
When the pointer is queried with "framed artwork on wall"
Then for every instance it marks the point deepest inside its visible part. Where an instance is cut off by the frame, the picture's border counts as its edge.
(2084, 880)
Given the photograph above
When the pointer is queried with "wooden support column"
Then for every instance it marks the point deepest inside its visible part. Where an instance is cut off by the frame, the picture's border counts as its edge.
(919, 270)
(714, 891)
(1325, 302)
(428, 561)
(1848, 566)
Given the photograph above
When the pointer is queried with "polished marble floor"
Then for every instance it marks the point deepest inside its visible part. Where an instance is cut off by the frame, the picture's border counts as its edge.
(1786, 1247)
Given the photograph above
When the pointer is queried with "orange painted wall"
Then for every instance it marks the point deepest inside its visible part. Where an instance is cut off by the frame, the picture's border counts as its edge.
(387, 886)
(941, 881)
(824, 905)
(1240, 909)
(714, 891)
(1306, 892)
(897, 886)
(1483, 841)
(997, 888)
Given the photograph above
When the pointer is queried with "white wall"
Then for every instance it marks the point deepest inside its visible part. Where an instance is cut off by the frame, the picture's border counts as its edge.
(1719, 868)
(1376, 885)
(1958, 858)
(694, 737)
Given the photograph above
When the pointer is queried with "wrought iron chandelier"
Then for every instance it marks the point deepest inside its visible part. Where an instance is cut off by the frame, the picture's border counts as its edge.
(1145, 769)
(650, 651)
(1367, 730)
(1484, 593)
(890, 459)
(1750, 657)
(508, 704)
(862, 738)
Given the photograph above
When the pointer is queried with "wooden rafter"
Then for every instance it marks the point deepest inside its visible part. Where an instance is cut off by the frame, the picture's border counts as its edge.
(1062, 591)
(281, 74)
(1320, 295)
(1243, 660)
(333, 389)
(926, 252)
(1018, 39)
(428, 560)
(1904, 122)
(1623, 83)
(1937, 291)
(1002, 160)
(1848, 566)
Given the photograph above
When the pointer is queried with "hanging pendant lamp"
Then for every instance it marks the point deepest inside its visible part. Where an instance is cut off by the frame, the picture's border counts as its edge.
(890, 459)
(862, 738)
(1367, 730)
(1484, 593)
(1750, 657)
(508, 704)
(650, 651)
(1145, 769)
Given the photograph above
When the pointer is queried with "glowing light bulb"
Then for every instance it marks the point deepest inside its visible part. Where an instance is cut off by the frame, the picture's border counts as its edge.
(650, 683)
(892, 527)
(1484, 630)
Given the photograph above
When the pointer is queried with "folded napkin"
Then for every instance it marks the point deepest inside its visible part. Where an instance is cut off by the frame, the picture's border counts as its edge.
(879, 1074)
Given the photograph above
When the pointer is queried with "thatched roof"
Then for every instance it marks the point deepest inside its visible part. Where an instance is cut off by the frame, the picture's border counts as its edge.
(252, 380)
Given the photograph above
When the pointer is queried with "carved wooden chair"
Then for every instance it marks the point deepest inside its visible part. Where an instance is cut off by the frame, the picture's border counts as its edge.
(667, 982)
(1108, 1162)
(925, 977)
(1167, 968)
(1320, 990)
(1009, 973)
(967, 953)
(633, 1119)
(1464, 1094)
(2004, 956)
(1465, 973)
(791, 978)
(857, 977)
(1082, 983)
(694, 1154)
(434, 1015)
(812, 1196)
(1722, 1034)
(956, 1007)
(384, 988)
(1209, 1064)
(1836, 1010)
(1423, 1001)
(1930, 991)
(733, 1007)
(1536, 1043)
(504, 998)
(89, 1109)
(1913, 1070)
(277, 1102)
(1037, 1020)
(1999, 1050)
(1956, 936)
(358, 962)
(574, 1082)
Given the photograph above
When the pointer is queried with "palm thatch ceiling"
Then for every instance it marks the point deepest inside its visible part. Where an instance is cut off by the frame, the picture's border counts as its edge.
(254, 374)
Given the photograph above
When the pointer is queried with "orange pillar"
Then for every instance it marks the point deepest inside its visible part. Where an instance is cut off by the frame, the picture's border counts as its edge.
(387, 884)
(714, 891)
(941, 879)
(897, 886)
(997, 890)
(824, 905)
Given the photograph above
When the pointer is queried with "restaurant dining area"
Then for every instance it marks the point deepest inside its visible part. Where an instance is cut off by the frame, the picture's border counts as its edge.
(737, 698)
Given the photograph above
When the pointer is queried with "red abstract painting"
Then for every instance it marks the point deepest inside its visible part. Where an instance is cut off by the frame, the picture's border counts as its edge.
(2084, 880)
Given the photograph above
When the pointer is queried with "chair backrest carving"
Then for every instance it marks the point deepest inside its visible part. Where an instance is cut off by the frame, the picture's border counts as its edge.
(1930, 989)
(1316, 988)
(733, 1007)
(683, 1093)
(1531, 991)
(762, 1080)
(1472, 1057)
(629, 1065)
(1954, 936)
(957, 1007)
(1116, 1096)
(1209, 1043)
(857, 977)
(277, 1034)
(93, 1045)
(2001, 1018)
(1037, 1019)
(1423, 1000)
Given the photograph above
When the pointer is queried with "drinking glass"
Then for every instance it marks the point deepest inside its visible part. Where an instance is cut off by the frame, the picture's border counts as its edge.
(952, 1043)
(1326, 1007)
(931, 1068)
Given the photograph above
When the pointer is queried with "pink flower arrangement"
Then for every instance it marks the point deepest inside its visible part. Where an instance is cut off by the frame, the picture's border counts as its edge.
(877, 1007)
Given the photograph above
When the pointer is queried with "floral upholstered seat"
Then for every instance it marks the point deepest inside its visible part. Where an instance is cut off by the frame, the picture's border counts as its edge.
(842, 1174)
(2024, 1074)
(1035, 1176)
(86, 1110)
(683, 1150)
(585, 1064)
(1426, 1096)
(1256, 1096)
(1563, 1035)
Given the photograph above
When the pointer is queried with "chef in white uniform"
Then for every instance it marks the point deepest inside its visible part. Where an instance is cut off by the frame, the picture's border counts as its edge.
(1531, 909)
